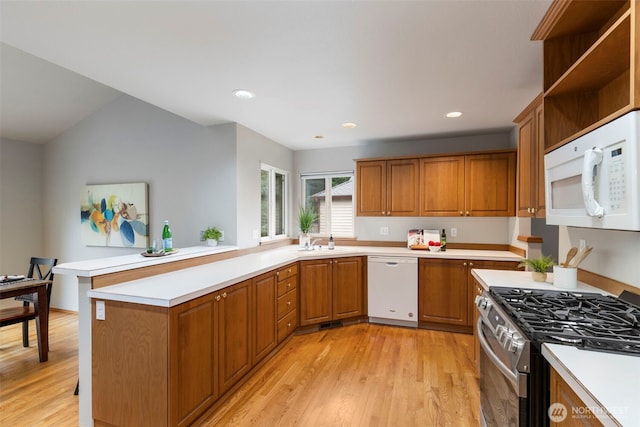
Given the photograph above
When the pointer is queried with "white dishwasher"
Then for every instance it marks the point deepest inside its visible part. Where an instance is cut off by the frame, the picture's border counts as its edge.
(393, 290)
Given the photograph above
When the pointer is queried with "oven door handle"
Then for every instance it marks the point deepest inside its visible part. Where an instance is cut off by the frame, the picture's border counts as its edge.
(513, 378)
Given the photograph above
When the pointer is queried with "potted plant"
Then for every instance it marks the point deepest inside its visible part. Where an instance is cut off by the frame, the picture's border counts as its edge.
(539, 266)
(306, 217)
(212, 235)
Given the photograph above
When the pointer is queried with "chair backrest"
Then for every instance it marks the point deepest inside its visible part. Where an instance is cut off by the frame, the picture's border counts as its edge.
(43, 268)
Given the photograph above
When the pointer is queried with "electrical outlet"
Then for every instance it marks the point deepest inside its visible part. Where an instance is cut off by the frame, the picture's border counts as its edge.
(384, 231)
(221, 239)
(583, 244)
(454, 232)
(100, 310)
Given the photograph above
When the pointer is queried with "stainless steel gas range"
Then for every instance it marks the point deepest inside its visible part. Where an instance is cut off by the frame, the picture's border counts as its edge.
(514, 323)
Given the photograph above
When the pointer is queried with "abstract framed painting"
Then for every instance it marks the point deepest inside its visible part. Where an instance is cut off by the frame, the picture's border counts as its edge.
(115, 215)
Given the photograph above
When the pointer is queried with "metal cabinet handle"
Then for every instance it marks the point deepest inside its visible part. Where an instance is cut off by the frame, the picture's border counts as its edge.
(467, 213)
(289, 270)
(470, 264)
(277, 273)
(218, 298)
(224, 295)
(288, 302)
(289, 325)
(289, 285)
(461, 213)
(465, 264)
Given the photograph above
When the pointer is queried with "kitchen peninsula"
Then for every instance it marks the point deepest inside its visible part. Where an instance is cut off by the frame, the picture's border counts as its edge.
(162, 292)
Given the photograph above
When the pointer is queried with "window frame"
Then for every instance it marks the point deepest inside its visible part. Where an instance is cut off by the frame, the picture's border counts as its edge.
(328, 177)
(271, 233)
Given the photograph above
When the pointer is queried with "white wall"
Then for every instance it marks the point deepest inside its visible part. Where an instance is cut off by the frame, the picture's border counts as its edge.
(616, 254)
(190, 170)
(21, 207)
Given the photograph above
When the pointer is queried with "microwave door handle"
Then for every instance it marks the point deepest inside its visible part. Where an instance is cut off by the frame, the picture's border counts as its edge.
(592, 158)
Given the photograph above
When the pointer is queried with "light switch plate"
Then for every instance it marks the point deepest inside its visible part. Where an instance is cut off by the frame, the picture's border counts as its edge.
(100, 312)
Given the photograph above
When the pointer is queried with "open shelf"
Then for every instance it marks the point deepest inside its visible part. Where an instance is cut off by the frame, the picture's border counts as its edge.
(589, 52)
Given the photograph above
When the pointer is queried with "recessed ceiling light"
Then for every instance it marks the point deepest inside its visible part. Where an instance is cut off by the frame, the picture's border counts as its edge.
(349, 125)
(453, 114)
(243, 94)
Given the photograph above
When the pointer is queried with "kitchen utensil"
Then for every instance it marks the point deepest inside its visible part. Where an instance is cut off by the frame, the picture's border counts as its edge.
(572, 253)
(580, 257)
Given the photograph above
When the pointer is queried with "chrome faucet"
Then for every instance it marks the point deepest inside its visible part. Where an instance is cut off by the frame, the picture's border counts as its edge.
(313, 243)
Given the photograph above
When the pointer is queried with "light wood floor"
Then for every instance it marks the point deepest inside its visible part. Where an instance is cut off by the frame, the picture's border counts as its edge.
(359, 375)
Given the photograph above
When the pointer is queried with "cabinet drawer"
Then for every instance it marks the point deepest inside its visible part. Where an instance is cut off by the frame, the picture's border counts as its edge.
(287, 285)
(287, 271)
(287, 325)
(287, 302)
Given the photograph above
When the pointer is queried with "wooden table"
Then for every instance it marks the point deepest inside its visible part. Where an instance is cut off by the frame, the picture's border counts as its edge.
(38, 287)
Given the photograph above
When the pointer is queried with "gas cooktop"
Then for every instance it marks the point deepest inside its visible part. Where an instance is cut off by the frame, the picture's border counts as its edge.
(585, 320)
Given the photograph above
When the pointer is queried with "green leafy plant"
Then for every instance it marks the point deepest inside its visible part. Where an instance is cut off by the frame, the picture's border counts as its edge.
(211, 233)
(306, 218)
(541, 264)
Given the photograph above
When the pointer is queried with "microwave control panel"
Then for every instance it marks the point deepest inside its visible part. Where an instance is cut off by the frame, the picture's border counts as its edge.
(615, 164)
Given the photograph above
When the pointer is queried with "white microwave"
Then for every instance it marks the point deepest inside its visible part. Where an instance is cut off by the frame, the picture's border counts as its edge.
(593, 181)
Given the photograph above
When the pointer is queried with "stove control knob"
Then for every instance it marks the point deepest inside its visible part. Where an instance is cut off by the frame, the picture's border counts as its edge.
(501, 332)
(482, 302)
(516, 344)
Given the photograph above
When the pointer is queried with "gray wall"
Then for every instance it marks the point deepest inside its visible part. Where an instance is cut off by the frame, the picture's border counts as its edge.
(22, 209)
(190, 170)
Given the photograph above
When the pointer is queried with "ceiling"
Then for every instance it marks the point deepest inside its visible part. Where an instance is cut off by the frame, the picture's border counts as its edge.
(393, 67)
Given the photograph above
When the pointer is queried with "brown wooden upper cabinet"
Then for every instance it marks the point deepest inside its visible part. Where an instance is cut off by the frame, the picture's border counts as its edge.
(470, 185)
(591, 72)
(530, 201)
(388, 187)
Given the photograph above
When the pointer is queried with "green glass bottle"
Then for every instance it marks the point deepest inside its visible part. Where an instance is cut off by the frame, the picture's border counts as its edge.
(167, 238)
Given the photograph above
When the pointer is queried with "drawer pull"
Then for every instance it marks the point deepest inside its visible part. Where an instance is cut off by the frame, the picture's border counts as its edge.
(288, 302)
(289, 270)
(288, 285)
(289, 325)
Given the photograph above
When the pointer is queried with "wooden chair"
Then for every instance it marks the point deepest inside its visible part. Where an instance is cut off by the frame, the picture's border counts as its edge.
(43, 269)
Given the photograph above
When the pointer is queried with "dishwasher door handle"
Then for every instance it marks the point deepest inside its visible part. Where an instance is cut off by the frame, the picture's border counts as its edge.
(391, 264)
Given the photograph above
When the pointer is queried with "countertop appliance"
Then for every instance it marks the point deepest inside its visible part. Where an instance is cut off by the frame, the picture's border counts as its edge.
(593, 181)
(514, 323)
(393, 290)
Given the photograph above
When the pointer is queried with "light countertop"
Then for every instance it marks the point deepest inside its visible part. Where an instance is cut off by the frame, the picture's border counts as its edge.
(601, 380)
(522, 279)
(170, 289)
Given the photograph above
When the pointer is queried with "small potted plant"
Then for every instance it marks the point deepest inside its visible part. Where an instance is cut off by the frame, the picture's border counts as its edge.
(539, 266)
(212, 235)
(306, 217)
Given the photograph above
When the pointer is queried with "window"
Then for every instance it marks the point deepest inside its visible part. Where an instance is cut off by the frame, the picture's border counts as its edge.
(273, 202)
(331, 195)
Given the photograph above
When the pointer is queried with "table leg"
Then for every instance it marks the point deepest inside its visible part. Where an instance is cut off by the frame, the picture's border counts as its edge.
(42, 324)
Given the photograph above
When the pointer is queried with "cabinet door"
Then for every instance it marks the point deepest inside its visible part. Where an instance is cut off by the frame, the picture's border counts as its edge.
(192, 359)
(348, 295)
(372, 188)
(316, 291)
(526, 165)
(443, 291)
(490, 184)
(403, 186)
(539, 185)
(234, 334)
(264, 316)
(442, 188)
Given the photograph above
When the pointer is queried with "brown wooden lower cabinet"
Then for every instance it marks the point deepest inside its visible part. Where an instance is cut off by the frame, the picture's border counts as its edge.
(331, 289)
(446, 294)
(165, 366)
(561, 392)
